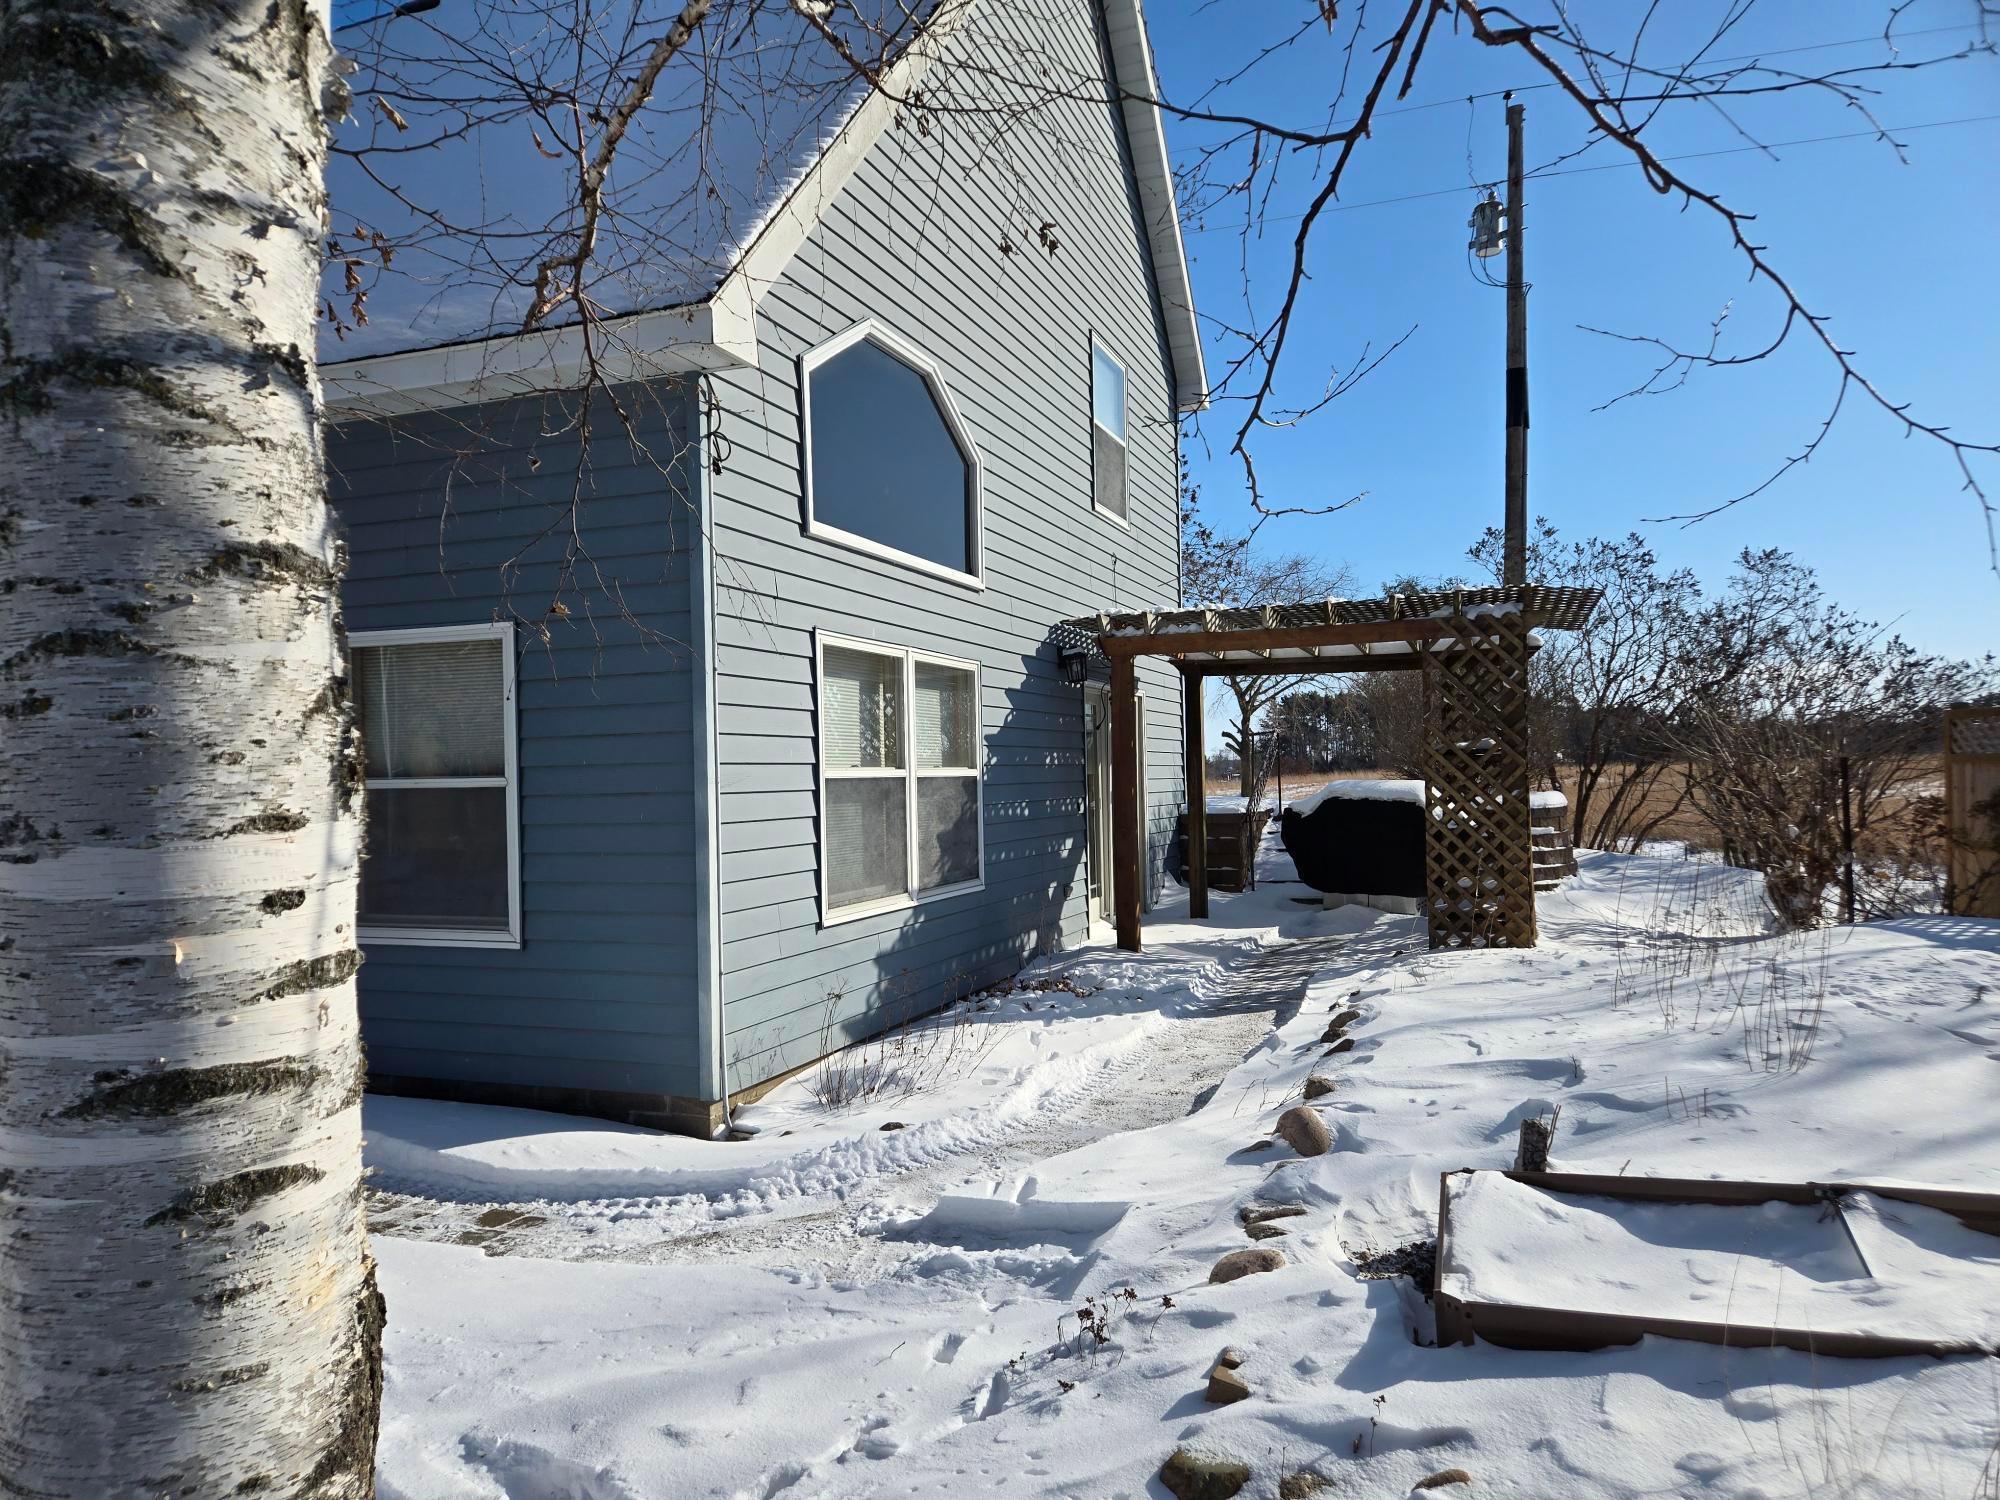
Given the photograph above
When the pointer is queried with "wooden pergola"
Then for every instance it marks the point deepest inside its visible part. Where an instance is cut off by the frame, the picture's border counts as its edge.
(1472, 645)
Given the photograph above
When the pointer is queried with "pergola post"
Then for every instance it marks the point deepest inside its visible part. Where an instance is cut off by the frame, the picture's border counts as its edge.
(1125, 841)
(1479, 878)
(1192, 684)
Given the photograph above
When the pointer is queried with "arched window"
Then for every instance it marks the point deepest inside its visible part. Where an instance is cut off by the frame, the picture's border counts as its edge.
(889, 467)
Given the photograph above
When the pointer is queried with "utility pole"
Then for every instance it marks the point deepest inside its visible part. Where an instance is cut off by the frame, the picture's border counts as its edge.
(1514, 564)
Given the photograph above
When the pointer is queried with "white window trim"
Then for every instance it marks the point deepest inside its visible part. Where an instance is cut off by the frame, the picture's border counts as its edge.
(1098, 346)
(910, 656)
(462, 937)
(975, 500)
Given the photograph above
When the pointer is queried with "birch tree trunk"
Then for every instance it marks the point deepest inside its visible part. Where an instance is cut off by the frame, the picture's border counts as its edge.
(187, 1307)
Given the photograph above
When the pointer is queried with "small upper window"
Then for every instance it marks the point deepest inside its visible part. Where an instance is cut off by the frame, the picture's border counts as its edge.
(436, 713)
(1108, 468)
(889, 467)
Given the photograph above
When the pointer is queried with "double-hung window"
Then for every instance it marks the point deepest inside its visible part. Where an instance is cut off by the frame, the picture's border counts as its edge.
(436, 713)
(1109, 479)
(900, 794)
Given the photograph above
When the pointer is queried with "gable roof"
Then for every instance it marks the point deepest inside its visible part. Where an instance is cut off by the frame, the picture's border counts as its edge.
(721, 222)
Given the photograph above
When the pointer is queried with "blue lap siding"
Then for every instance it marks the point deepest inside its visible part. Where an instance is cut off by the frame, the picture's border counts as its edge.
(458, 517)
(914, 242)
(669, 787)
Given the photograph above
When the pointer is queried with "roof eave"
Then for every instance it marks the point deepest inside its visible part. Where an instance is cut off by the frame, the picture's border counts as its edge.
(711, 335)
(1132, 63)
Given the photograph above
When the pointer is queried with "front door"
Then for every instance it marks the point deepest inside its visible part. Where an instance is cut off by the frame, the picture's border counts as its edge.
(1097, 800)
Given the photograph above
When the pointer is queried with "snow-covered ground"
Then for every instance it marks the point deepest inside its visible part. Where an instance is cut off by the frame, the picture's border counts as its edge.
(836, 1309)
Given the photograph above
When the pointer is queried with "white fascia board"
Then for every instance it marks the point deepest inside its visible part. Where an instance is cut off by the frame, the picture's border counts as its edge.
(710, 335)
(1132, 63)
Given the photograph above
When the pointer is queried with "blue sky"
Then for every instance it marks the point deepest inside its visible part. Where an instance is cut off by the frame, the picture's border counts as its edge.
(1900, 257)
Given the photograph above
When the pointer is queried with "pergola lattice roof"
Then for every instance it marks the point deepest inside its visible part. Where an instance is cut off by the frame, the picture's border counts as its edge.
(1315, 630)
(1550, 609)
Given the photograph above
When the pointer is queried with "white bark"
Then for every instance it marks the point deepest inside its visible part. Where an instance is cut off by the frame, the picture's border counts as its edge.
(186, 1303)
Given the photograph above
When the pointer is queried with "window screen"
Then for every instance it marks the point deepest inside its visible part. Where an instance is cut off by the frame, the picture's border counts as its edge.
(885, 464)
(437, 857)
(434, 721)
(901, 815)
(1109, 480)
(947, 831)
(867, 840)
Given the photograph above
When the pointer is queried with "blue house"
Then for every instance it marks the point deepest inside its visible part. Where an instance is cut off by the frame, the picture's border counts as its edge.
(713, 709)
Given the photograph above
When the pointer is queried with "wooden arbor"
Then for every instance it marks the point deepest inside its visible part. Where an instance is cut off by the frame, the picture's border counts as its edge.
(1472, 645)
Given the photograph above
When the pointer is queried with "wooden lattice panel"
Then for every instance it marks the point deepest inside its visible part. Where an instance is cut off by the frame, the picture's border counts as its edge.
(1479, 883)
(1972, 793)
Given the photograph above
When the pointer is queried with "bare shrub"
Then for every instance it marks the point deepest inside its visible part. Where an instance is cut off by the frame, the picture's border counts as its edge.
(1808, 728)
(1600, 698)
(918, 1051)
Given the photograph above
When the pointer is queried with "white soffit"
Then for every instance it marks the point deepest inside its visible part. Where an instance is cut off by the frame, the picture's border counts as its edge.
(708, 335)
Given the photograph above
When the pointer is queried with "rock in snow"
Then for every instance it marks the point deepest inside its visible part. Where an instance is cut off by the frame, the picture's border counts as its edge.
(1304, 1131)
(1202, 1476)
(1264, 1231)
(1246, 1263)
(1444, 1477)
(1318, 1086)
(1345, 1018)
(1226, 1386)
(1302, 1485)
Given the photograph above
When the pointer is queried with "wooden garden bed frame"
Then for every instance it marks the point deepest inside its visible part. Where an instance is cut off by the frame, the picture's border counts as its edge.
(1525, 1326)
(1472, 645)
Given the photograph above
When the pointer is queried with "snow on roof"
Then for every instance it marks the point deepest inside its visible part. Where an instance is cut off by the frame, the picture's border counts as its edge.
(458, 176)
(482, 185)
(1361, 789)
(1553, 608)
(1392, 789)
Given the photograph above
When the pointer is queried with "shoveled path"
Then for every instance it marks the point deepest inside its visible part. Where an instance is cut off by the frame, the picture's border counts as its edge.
(1169, 1073)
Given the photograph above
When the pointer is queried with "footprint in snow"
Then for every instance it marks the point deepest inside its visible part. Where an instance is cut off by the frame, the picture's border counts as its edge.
(783, 1478)
(996, 1396)
(526, 1472)
(874, 1441)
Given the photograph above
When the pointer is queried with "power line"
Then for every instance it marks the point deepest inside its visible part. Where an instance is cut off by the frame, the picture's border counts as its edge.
(1612, 166)
(1529, 88)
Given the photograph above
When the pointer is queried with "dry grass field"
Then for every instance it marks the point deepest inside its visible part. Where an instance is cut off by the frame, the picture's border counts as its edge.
(1297, 783)
(1680, 821)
